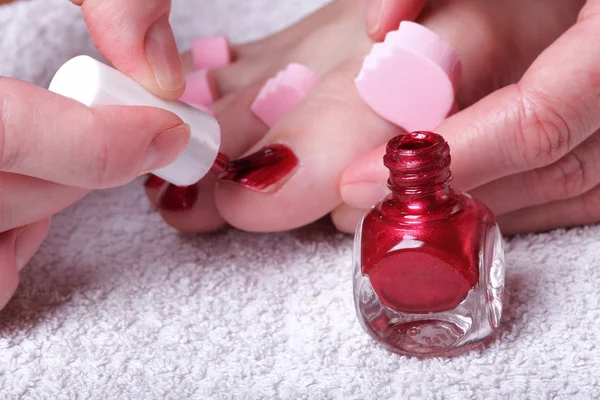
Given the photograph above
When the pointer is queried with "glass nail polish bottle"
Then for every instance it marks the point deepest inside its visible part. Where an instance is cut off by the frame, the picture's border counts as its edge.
(428, 259)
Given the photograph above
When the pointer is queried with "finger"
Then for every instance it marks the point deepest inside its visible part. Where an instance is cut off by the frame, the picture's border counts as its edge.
(383, 16)
(29, 240)
(136, 37)
(9, 275)
(194, 210)
(539, 120)
(571, 176)
(87, 148)
(346, 218)
(582, 210)
(25, 200)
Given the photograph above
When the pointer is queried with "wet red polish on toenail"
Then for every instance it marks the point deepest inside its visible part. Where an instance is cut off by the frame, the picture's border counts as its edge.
(262, 169)
(154, 182)
(221, 164)
(177, 198)
(428, 259)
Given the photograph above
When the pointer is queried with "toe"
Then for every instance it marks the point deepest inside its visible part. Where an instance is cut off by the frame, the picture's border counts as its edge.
(193, 209)
(295, 172)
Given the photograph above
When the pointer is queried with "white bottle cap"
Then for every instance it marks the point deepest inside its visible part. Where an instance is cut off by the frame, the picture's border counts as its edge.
(96, 84)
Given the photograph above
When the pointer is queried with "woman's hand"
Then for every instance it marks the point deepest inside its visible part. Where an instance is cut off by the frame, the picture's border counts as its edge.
(530, 151)
(54, 150)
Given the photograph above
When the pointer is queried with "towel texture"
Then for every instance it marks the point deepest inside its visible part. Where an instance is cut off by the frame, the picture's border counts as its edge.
(118, 306)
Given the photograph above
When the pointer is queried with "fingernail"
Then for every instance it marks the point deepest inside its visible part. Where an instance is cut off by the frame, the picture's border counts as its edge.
(177, 198)
(364, 195)
(374, 15)
(154, 182)
(264, 169)
(163, 56)
(199, 88)
(165, 148)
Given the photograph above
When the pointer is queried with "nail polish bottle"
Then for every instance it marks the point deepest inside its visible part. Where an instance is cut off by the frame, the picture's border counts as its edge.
(96, 84)
(428, 259)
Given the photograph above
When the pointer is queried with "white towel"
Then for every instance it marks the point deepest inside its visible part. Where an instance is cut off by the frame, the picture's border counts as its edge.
(116, 305)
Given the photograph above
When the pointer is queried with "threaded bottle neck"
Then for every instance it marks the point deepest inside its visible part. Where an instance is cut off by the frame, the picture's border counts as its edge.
(419, 164)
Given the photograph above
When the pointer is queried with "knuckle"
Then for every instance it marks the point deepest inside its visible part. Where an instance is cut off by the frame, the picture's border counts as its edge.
(543, 134)
(570, 176)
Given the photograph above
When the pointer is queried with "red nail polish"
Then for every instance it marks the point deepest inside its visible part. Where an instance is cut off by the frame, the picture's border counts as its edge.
(429, 262)
(154, 182)
(177, 198)
(261, 170)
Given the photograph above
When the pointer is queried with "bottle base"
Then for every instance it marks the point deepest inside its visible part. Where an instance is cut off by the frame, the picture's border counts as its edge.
(436, 334)
(424, 339)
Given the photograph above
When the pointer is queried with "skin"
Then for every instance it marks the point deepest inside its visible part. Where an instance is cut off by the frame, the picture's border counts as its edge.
(517, 138)
(530, 150)
(57, 149)
(497, 47)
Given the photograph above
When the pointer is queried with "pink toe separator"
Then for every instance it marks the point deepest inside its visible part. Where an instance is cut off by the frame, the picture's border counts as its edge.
(204, 109)
(411, 78)
(282, 93)
(211, 52)
(199, 88)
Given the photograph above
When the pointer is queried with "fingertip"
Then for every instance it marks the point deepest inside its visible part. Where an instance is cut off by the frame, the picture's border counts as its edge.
(9, 276)
(137, 38)
(29, 240)
(346, 218)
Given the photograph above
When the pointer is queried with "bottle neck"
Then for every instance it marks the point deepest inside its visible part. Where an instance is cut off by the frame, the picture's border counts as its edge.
(420, 176)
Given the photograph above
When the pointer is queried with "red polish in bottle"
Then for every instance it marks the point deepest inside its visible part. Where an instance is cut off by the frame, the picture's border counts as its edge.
(429, 262)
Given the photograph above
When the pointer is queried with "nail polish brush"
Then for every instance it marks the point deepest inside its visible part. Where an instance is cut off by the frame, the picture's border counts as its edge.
(96, 84)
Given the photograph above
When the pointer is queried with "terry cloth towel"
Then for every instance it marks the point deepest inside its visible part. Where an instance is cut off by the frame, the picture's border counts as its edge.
(116, 305)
